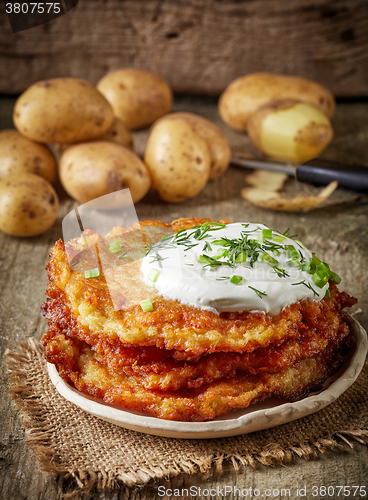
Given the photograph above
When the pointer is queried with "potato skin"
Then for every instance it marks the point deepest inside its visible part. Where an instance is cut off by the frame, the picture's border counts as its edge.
(93, 169)
(21, 155)
(178, 159)
(218, 146)
(290, 130)
(248, 93)
(117, 133)
(28, 205)
(62, 110)
(137, 97)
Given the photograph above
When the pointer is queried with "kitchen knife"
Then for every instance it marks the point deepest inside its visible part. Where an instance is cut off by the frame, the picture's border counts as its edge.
(317, 171)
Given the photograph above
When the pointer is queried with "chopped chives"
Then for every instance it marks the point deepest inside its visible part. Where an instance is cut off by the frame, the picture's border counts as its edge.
(279, 239)
(122, 256)
(203, 259)
(92, 273)
(267, 233)
(293, 263)
(335, 278)
(323, 267)
(270, 260)
(309, 267)
(236, 279)
(146, 305)
(315, 260)
(320, 278)
(292, 252)
(153, 275)
(328, 294)
(242, 257)
(276, 252)
(114, 247)
(74, 263)
(221, 253)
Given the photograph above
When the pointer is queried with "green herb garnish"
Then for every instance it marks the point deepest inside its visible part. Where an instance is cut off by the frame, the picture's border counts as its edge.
(258, 292)
(153, 275)
(92, 273)
(114, 247)
(236, 279)
(146, 305)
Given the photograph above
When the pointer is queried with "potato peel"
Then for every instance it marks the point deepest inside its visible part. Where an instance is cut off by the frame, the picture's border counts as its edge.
(274, 201)
(269, 181)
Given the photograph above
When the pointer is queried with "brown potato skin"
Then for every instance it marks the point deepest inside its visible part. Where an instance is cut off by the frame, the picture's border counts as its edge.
(178, 159)
(117, 133)
(28, 205)
(218, 146)
(137, 97)
(62, 110)
(93, 169)
(248, 93)
(21, 155)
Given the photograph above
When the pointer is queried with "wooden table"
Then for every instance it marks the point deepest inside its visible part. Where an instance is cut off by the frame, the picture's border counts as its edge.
(339, 233)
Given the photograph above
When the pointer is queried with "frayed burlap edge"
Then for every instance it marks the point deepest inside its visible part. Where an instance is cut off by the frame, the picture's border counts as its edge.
(39, 431)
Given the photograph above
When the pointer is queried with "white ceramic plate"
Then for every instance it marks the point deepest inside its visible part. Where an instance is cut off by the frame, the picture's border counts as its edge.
(254, 418)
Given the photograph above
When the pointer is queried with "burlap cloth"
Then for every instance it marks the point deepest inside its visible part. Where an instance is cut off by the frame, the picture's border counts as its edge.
(70, 442)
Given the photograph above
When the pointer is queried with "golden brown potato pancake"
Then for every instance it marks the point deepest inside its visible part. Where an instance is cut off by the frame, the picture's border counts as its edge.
(323, 324)
(178, 362)
(81, 366)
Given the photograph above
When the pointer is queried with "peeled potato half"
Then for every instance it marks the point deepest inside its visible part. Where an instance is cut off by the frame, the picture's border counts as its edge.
(290, 130)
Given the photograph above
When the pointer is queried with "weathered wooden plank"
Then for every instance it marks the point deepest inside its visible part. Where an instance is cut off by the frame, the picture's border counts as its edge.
(338, 233)
(198, 46)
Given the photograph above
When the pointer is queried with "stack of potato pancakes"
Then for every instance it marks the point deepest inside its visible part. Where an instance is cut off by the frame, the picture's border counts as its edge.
(177, 362)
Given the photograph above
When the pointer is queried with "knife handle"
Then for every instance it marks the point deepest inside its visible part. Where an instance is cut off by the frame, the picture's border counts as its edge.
(322, 172)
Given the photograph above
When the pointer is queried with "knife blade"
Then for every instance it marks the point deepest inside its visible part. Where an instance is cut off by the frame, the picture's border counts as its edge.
(317, 171)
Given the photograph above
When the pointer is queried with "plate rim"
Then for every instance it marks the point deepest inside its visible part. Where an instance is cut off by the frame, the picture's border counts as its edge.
(251, 421)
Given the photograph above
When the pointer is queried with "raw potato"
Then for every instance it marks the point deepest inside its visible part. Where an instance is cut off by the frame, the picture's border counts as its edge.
(21, 155)
(290, 130)
(93, 169)
(178, 159)
(62, 110)
(118, 133)
(138, 97)
(218, 146)
(248, 93)
(28, 205)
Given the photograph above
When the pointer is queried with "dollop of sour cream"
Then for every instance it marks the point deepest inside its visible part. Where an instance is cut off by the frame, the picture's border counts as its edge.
(198, 267)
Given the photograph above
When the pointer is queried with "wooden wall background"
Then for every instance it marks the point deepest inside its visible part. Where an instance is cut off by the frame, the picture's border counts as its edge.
(199, 46)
